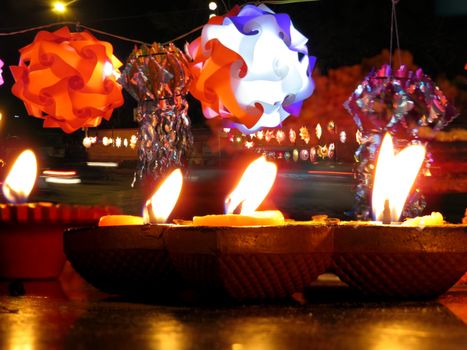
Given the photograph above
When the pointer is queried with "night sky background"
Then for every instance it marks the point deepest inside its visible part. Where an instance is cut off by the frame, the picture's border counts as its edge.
(340, 32)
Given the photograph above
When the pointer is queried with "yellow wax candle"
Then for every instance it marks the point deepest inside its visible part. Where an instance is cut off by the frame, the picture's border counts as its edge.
(428, 220)
(120, 220)
(257, 218)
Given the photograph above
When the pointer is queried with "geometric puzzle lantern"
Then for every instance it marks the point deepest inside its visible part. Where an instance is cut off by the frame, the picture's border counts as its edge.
(251, 68)
(68, 79)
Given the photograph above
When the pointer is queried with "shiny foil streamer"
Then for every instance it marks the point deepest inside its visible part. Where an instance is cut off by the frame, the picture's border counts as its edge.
(158, 77)
(398, 102)
(165, 137)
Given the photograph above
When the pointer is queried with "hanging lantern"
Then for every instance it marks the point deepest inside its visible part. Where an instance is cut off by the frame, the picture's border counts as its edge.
(292, 136)
(318, 131)
(399, 102)
(269, 135)
(158, 78)
(305, 134)
(342, 136)
(68, 79)
(251, 68)
(280, 136)
(133, 141)
(87, 142)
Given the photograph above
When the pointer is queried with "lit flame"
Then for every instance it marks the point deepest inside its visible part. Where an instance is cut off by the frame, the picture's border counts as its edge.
(21, 178)
(162, 202)
(394, 177)
(255, 184)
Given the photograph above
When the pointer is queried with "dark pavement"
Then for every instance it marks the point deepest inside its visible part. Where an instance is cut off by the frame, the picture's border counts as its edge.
(71, 315)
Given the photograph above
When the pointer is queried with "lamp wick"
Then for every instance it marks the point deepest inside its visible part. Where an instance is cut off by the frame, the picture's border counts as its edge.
(386, 213)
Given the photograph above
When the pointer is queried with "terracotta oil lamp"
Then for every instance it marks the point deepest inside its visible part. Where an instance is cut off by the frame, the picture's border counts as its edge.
(252, 255)
(249, 255)
(418, 258)
(31, 234)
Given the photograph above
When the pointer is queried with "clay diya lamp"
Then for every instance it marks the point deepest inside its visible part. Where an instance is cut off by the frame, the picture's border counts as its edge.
(127, 254)
(254, 255)
(31, 234)
(419, 258)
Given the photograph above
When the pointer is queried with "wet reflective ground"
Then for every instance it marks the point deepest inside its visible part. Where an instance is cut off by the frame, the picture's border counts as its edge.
(71, 315)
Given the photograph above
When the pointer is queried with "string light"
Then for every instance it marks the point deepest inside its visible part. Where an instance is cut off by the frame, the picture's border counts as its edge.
(106, 141)
(59, 7)
(78, 24)
(212, 5)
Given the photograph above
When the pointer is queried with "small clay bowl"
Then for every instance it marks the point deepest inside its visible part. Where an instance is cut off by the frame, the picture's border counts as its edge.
(400, 261)
(31, 237)
(31, 251)
(125, 260)
(253, 262)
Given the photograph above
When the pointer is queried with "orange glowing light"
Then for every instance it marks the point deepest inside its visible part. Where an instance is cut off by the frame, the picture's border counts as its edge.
(162, 202)
(394, 177)
(69, 79)
(21, 178)
(59, 7)
(254, 186)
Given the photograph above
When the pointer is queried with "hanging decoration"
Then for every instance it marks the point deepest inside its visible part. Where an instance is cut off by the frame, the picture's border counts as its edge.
(398, 102)
(312, 154)
(251, 68)
(305, 134)
(68, 79)
(342, 136)
(269, 135)
(318, 131)
(158, 77)
(260, 135)
(268, 141)
(280, 136)
(292, 136)
(1, 72)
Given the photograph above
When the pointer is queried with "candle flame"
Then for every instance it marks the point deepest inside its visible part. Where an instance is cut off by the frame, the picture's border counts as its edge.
(394, 177)
(162, 202)
(21, 178)
(255, 184)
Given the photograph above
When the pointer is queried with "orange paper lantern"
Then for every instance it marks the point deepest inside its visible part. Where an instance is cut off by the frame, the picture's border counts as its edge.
(68, 79)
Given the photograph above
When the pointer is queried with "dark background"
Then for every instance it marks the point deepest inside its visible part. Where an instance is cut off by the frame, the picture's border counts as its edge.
(340, 32)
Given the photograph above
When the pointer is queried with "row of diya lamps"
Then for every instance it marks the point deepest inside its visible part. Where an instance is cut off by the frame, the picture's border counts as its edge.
(252, 254)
